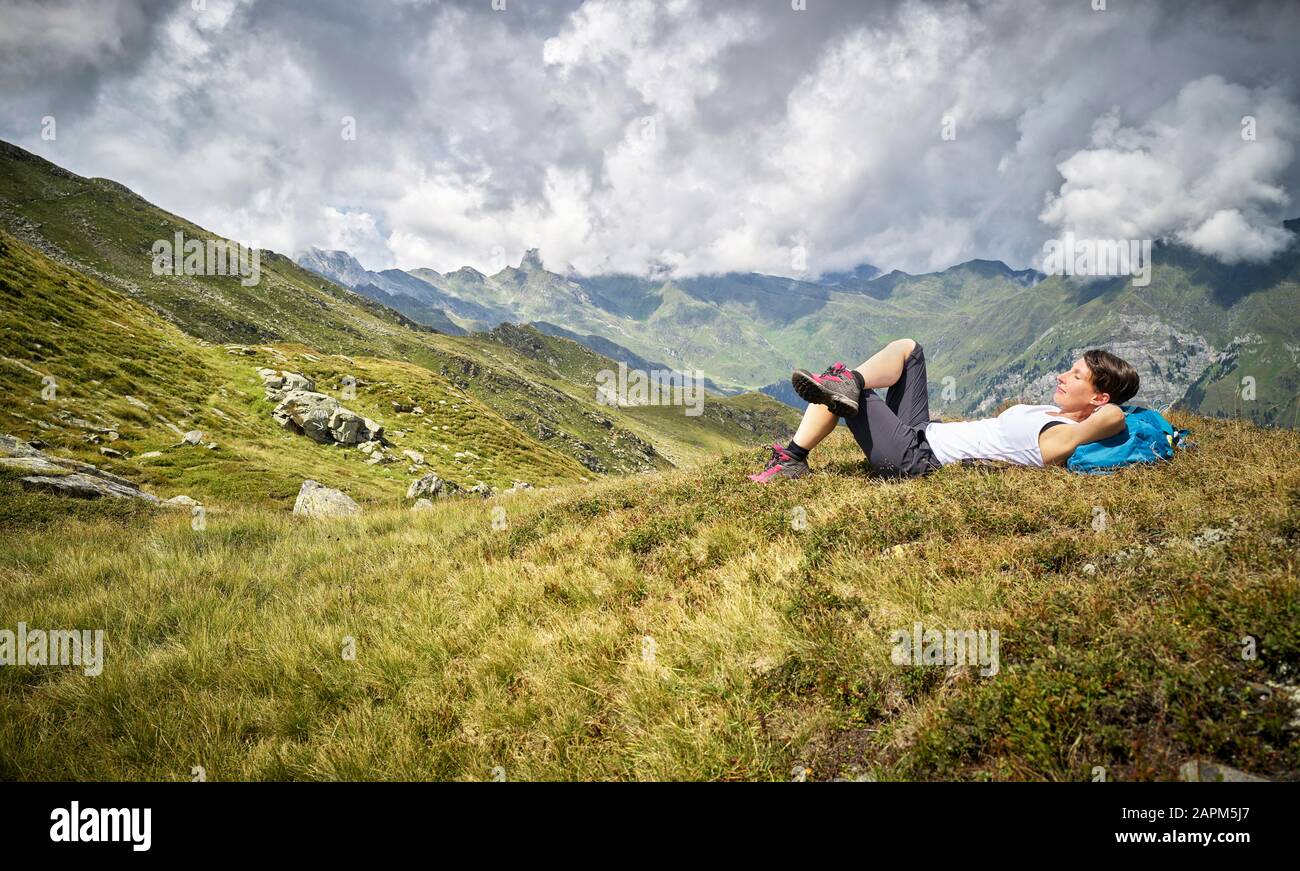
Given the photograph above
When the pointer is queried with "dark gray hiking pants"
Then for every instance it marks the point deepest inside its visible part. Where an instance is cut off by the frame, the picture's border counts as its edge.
(890, 430)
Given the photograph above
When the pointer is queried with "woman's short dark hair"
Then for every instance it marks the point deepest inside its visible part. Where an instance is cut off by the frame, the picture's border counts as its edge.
(1112, 375)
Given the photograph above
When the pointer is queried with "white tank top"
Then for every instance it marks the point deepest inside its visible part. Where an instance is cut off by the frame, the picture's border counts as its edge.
(1012, 436)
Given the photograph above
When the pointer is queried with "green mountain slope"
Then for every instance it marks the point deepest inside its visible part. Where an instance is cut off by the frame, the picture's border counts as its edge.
(686, 626)
(298, 320)
(118, 368)
(1219, 340)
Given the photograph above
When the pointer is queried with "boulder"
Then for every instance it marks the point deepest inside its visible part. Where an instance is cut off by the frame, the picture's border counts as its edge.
(422, 505)
(480, 489)
(308, 413)
(429, 485)
(415, 457)
(317, 500)
(111, 454)
(193, 437)
(181, 502)
(350, 428)
(322, 419)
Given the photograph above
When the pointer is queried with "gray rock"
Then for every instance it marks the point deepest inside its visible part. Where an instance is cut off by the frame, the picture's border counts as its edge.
(317, 500)
(181, 502)
(19, 455)
(279, 383)
(82, 486)
(1203, 771)
(111, 454)
(415, 457)
(308, 413)
(350, 428)
(322, 419)
(422, 505)
(12, 447)
(193, 437)
(429, 485)
(480, 489)
(39, 464)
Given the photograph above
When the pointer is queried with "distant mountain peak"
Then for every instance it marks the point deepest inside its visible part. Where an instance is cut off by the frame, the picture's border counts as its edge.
(991, 268)
(860, 273)
(337, 266)
(467, 272)
(532, 261)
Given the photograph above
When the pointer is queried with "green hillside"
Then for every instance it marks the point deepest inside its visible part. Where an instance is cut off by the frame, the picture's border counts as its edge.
(515, 406)
(509, 637)
(1214, 339)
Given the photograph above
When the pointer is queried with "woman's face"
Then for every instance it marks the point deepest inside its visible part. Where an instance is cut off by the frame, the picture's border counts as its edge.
(1075, 390)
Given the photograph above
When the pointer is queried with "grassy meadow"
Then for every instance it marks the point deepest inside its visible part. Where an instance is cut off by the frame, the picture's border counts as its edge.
(510, 635)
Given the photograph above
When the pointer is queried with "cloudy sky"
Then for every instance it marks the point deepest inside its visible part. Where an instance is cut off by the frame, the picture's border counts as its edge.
(693, 136)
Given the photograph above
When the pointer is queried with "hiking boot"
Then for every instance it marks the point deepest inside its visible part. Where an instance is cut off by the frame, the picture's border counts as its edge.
(781, 465)
(835, 388)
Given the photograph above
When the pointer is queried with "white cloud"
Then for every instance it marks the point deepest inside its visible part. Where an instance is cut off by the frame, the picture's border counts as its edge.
(706, 136)
(1187, 173)
(1229, 237)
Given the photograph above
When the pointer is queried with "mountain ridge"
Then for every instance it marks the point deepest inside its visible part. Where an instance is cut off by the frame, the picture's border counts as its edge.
(748, 330)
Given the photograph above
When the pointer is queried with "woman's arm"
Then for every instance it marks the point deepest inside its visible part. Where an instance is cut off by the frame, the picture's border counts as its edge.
(1058, 442)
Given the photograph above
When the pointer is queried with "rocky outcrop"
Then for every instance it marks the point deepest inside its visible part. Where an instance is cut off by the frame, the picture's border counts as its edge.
(322, 419)
(278, 383)
(430, 486)
(65, 477)
(315, 415)
(317, 500)
(84, 486)
(377, 453)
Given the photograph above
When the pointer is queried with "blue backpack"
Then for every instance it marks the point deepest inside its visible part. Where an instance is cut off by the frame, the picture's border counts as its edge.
(1148, 438)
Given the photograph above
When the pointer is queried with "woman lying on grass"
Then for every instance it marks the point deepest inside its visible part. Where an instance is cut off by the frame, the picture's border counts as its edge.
(899, 439)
